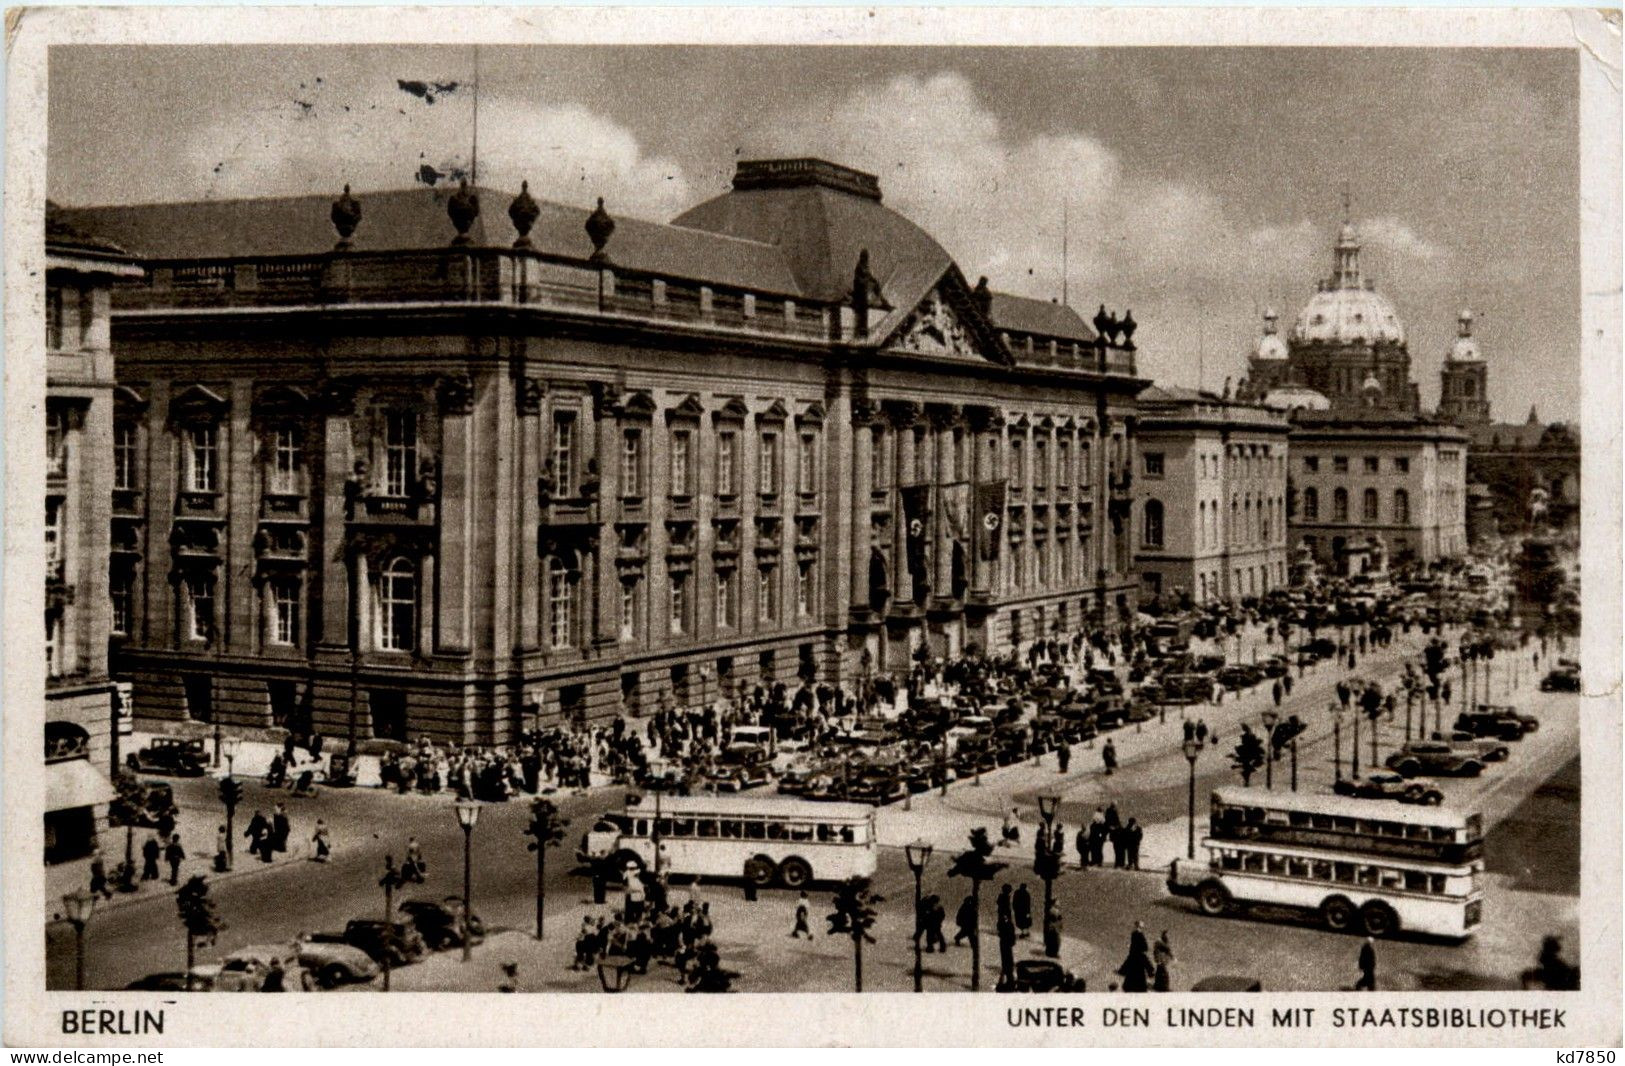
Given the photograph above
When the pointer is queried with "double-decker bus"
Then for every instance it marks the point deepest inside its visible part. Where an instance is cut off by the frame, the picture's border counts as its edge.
(1378, 827)
(1375, 866)
(766, 839)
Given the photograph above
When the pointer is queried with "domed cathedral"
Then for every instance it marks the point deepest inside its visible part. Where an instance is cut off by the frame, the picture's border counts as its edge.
(1464, 380)
(465, 473)
(1348, 343)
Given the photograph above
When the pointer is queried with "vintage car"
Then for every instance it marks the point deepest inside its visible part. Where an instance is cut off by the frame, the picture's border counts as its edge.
(333, 964)
(1562, 679)
(171, 755)
(1240, 676)
(1275, 666)
(1502, 722)
(1139, 709)
(1105, 682)
(171, 981)
(876, 784)
(245, 969)
(1187, 688)
(795, 777)
(1389, 786)
(741, 766)
(1435, 758)
(441, 923)
(399, 942)
(1319, 648)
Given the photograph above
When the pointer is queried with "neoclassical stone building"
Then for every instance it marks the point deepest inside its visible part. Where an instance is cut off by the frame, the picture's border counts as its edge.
(476, 461)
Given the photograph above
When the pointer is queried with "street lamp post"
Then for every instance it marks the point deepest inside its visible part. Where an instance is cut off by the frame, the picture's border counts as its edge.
(1337, 740)
(1192, 748)
(1294, 763)
(1048, 804)
(468, 816)
(918, 854)
(1354, 747)
(391, 880)
(1269, 718)
(76, 908)
(229, 749)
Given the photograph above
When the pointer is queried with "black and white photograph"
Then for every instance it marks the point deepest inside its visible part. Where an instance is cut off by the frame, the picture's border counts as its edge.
(592, 516)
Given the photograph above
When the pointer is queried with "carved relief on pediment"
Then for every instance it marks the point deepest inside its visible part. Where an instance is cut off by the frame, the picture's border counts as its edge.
(934, 329)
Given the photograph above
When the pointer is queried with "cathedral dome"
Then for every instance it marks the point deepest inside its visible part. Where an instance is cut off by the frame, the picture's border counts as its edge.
(1347, 309)
(1465, 349)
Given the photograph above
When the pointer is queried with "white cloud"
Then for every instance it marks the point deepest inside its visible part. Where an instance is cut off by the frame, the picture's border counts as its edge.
(378, 136)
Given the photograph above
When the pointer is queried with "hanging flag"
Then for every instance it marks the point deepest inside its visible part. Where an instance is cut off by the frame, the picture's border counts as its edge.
(917, 532)
(989, 518)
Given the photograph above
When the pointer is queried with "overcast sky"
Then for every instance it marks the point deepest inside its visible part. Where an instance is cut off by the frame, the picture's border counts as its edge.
(1202, 185)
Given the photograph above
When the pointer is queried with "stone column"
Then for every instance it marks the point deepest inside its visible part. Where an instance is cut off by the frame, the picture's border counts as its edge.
(456, 511)
(944, 421)
(531, 431)
(904, 415)
(337, 400)
(862, 470)
(605, 411)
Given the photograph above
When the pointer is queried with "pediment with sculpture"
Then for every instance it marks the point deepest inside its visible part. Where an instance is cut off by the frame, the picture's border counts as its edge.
(935, 328)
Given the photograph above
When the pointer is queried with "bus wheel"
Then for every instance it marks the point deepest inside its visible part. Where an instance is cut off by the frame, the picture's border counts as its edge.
(1379, 919)
(760, 871)
(1213, 898)
(794, 872)
(1337, 913)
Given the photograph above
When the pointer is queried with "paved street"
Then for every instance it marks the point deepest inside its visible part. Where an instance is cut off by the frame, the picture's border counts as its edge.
(1531, 803)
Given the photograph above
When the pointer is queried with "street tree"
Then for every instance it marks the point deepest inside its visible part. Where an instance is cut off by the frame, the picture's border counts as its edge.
(197, 916)
(546, 830)
(1248, 755)
(854, 915)
(126, 810)
(973, 863)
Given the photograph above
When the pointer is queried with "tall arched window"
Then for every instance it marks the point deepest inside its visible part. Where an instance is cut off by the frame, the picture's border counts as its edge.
(1311, 505)
(1369, 505)
(397, 605)
(1153, 523)
(561, 605)
(1340, 505)
(1201, 524)
(1402, 506)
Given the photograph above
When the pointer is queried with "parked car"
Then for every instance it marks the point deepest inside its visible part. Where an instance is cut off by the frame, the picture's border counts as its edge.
(441, 923)
(171, 755)
(1562, 679)
(742, 766)
(1187, 688)
(1490, 749)
(1240, 676)
(1275, 666)
(1389, 786)
(334, 964)
(1435, 758)
(170, 981)
(400, 942)
(1105, 682)
(876, 784)
(794, 779)
(245, 969)
(1503, 722)
(1320, 648)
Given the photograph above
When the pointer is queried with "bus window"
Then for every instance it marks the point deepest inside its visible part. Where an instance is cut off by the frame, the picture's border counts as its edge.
(1392, 878)
(1416, 881)
(755, 830)
(1275, 864)
(731, 828)
(848, 836)
(1344, 825)
(1325, 821)
(682, 827)
(706, 827)
(1275, 818)
(775, 831)
(1393, 829)
(1444, 834)
(1343, 871)
(801, 831)
(643, 827)
(1230, 860)
(1474, 826)
(1322, 870)
(1417, 832)
(1297, 867)
(1368, 875)
(1300, 819)
(663, 826)
(1253, 862)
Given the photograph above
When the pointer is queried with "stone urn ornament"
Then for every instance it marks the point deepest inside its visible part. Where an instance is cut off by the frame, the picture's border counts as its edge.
(464, 208)
(600, 227)
(523, 212)
(346, 215)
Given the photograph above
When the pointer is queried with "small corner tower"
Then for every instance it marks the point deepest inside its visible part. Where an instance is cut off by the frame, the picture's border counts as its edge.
(1464, 379)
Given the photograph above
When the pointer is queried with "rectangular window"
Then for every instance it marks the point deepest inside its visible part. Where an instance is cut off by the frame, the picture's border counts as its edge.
(725, 599)
(1311, 463)
(1402, 465)
(1063, 464)
(1153, 464)
(629, 609)
(768, 464)
(807, 475)
(727, 463)
(56, 444)
(287, 458)
(202, 448)
(561, 606)
(877, 460)
(87, 315)
(53, 536)
(121, 591)
(767, 595)
(53, 643)
(631, 462)
(1372, 464)
(1041, 463)
(1340, 464)
(200, 607)
(1018, 464)
(564, 454)
(682, 462)
(804, 589)
(679, 604)
(126, 468)
(400, 452)
(285, 611)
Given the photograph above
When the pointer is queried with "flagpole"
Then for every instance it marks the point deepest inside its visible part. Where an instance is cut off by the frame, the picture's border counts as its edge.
(474, 148)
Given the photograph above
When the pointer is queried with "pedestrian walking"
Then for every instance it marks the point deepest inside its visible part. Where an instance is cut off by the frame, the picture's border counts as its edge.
(221, 859)
(1201, 731)
(1082, 843)
(319, 839)
(98, 876)
(935, 915)
(1007, 949)
(1021, 905)
(965, 921)
(174, 854)
(802, 914)
(1286, 683)
(1136, 970)
(276, 978)
(1052, 930)
(1162, 956)
(151, 852)
(1132, 835)
(1108, 755)
(415, 867)
(1006, 906)
(1063, 756)
(1368, 967)
(1190, 729)
(280, 829)
(1276, 691)
(315, 745)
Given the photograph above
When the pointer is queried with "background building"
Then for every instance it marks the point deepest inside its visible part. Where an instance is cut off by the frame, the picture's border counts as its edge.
(1211, 495)
(461, 473)
(80, 733)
